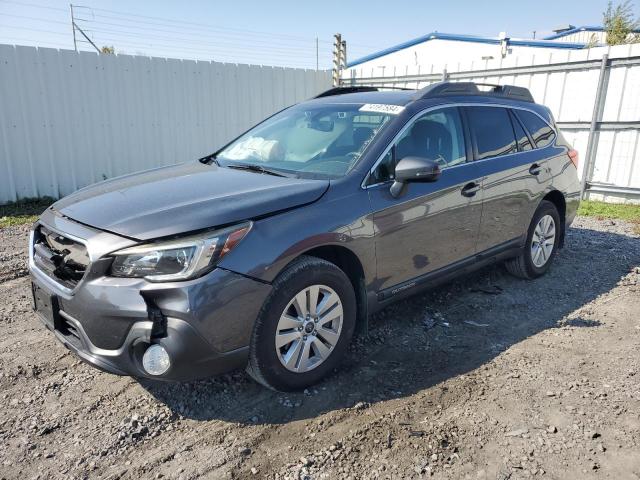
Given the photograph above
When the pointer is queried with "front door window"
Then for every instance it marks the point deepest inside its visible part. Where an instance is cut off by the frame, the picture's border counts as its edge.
(436, 135)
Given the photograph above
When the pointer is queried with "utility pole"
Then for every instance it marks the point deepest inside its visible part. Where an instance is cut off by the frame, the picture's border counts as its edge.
(337, 48)
(73, 28)
(88, 39)
(317, 62)
(339, 58)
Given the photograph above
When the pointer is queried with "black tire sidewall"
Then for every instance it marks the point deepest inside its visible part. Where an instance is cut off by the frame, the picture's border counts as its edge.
(545, 208)
(309, 272)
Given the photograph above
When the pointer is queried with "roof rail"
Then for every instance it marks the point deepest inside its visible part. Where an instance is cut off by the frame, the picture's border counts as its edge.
(442, 89)
(356, 89)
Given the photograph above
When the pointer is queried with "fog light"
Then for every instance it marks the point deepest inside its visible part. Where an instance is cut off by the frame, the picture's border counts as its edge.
(156, 360)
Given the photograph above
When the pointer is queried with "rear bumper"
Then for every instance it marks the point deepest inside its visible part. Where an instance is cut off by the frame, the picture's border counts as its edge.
(204, 324)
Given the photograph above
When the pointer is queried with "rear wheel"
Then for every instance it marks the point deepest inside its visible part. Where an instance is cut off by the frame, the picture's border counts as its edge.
(305, 326)
(541, 245)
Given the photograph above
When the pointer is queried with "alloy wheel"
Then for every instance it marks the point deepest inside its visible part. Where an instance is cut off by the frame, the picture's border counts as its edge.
(543, 240)
(309, 328)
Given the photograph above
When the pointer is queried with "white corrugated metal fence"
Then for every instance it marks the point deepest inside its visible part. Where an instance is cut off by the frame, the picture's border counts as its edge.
(70, 119)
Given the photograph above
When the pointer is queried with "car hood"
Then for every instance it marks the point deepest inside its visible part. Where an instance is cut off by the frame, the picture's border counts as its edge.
(183, 198)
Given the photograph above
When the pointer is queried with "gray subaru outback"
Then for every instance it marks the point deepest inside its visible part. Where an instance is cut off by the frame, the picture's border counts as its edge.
(271, 252)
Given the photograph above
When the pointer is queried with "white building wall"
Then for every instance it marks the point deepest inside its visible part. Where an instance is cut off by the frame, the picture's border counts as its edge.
(584, 36)
(70, 119)
(588, 37)
(432, 53)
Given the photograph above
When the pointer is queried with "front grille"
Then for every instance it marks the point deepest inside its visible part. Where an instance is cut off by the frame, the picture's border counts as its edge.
(61, 258)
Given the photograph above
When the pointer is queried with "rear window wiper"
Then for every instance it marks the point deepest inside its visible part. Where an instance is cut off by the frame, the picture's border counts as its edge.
(258, 168)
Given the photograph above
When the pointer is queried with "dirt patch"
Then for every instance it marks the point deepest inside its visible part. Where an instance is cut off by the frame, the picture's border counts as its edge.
(487, 377)
(13, 252)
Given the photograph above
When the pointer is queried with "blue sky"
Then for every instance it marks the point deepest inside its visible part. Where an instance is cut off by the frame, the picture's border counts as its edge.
(277, 32)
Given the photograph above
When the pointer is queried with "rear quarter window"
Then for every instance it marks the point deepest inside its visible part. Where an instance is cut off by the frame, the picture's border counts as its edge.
(523, 140)
(492, 130)
(540, 131)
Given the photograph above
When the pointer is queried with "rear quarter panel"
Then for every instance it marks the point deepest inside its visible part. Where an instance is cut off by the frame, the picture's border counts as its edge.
(565, 178)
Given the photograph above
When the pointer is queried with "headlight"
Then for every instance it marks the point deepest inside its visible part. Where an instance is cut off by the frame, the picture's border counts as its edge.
(178, 259)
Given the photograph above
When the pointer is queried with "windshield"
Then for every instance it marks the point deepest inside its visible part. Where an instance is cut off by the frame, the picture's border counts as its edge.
(322, 141)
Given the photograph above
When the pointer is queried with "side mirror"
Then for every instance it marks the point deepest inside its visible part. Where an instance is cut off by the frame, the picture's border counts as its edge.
(414, 169)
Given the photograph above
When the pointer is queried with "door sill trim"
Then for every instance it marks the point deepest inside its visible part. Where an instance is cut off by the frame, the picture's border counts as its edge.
(478, 259)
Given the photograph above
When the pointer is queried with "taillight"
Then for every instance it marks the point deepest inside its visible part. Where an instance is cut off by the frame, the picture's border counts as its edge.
(573, 155)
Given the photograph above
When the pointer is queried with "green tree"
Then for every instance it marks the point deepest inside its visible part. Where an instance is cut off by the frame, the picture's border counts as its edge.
(619, 23)
(108, 50)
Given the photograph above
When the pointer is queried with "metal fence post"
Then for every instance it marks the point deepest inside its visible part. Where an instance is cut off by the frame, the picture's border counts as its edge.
(445, 75)
(337, 59)
(596, 118)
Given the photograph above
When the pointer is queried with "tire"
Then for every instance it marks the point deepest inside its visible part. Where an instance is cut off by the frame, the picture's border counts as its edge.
(294, 366)
(532, 262)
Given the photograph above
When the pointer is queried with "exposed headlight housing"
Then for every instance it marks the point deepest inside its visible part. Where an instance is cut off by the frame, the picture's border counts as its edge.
(178, 259)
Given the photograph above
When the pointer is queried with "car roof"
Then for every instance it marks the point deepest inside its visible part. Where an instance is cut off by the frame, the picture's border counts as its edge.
(439, 94)
(480, 92)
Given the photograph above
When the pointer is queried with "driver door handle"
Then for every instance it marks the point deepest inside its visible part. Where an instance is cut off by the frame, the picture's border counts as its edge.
(535, 169)
(470, 189)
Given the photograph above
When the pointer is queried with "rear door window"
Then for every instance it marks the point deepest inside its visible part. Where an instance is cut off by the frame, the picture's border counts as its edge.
(492, 130)
(539, 130)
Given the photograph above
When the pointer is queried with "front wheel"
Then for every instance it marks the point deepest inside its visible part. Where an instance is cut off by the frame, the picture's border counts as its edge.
(542, 242)
(304, 328)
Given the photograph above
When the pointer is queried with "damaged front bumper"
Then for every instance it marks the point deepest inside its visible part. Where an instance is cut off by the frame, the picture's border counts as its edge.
(203, 324)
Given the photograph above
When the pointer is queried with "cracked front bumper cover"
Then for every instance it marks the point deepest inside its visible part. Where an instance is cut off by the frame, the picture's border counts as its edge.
(191, 356)
(206, 323)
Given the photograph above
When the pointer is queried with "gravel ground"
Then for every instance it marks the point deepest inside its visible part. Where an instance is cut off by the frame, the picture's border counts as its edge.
(487, 377)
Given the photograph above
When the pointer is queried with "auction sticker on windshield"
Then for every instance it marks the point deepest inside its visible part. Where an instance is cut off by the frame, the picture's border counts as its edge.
(382, 108)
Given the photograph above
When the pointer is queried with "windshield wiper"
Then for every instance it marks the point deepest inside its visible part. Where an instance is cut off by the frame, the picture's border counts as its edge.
(209, 159)
(257, 168)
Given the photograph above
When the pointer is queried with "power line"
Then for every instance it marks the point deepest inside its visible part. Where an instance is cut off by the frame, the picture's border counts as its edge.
(206, 25)
(33, 30)
(40, 44)
(182, 31)
(147, 44)
(126, 33)
(189, 41)
(167, 22)
(34, 5)
(219, 46)
(226, 42)
(201, 52)
(33, 18)
(122, 16)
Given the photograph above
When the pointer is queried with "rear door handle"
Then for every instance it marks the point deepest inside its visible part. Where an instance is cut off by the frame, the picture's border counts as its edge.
(470, 189)
(535, 169)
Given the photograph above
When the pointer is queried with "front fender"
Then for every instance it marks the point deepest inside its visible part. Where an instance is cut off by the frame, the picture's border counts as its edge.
(276, 241)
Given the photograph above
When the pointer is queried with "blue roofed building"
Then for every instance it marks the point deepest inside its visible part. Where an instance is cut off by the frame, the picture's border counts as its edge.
(589, 35)
(439, 48)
